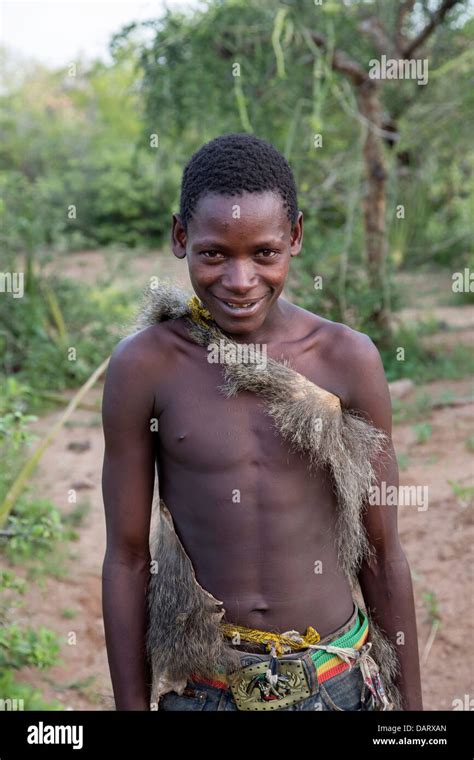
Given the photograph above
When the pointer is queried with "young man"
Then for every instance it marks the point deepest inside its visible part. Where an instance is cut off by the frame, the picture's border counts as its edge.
(266, 424)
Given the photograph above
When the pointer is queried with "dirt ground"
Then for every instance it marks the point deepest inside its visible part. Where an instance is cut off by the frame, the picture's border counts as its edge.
(438, 540)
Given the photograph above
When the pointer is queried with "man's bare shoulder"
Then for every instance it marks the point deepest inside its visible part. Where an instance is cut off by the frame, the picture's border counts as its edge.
(139, 366)
(149, 343)
(144, 357)
(352, 360)
(338, 339)
(349, 345)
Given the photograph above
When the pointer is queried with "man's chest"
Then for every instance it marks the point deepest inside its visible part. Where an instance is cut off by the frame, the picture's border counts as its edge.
(201, 429)
(199, 426)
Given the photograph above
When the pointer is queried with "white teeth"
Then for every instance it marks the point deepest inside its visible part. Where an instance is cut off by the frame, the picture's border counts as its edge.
(239, 305)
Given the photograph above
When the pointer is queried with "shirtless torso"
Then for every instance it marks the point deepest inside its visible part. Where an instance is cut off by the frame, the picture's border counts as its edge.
(257, 525)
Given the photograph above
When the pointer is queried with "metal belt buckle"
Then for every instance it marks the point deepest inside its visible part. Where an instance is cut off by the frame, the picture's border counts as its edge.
(252, 691)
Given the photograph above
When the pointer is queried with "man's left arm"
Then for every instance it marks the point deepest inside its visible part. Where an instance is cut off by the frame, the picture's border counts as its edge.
(386, 581)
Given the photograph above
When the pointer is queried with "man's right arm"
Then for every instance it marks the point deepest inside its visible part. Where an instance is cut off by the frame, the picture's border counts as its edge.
(127, 487)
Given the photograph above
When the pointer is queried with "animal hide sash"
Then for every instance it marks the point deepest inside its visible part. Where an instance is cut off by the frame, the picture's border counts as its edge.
(184, 634)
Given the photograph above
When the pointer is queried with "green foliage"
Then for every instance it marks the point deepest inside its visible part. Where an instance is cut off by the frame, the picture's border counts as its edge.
(76, 517)
(403, 460)
(68, 614)
(404, 411)
(72, 141)
(343, 293)
(469, 443)
(432, 607)
(24, 694)
(423, 431)
(26, 646)
(8, 580)
(465, 273)
(13, 426)
(464, 494)
(22, 646)
(14, 432)
(34, 526)
(31, 333)
(425, 364)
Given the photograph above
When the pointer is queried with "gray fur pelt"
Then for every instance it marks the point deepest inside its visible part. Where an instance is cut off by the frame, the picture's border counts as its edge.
(184, 635)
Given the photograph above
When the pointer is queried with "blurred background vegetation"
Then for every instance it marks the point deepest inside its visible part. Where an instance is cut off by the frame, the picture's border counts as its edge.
(110, 140)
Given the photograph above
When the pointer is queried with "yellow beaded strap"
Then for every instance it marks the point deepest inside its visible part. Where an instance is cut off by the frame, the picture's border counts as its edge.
(198, 312)
(279, 640)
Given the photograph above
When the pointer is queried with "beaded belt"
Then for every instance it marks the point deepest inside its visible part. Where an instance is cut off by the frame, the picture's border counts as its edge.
(278, 682)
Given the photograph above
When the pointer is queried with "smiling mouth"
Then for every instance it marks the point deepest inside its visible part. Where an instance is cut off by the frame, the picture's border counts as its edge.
(240, 308)
(240, 305)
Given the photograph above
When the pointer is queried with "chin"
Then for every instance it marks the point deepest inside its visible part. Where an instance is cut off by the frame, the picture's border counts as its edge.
(238, 327)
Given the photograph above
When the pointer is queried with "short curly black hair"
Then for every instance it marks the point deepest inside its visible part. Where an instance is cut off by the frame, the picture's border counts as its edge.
(236, 163)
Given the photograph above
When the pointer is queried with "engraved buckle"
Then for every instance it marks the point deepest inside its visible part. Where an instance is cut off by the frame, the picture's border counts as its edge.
(252, 691)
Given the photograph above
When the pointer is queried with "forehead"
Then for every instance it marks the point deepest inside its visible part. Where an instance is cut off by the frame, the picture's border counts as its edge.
(249, 213)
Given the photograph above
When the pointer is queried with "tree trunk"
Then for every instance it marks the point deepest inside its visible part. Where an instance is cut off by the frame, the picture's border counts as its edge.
(374, 203)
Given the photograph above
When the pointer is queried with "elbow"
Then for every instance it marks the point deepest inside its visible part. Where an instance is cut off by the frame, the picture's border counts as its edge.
(383, 558)
(386, 547)
(125, 558)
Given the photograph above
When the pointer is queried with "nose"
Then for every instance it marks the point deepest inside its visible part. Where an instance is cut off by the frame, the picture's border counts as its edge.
(239, 277)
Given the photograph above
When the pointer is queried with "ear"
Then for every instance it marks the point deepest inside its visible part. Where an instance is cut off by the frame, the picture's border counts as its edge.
(296, 240)
(178, 237)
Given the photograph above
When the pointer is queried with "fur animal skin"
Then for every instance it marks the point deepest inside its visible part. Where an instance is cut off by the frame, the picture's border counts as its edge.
(183, 635)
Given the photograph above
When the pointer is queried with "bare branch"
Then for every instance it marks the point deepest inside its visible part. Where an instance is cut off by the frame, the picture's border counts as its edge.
(342, 62)
(436, 19)
(404, 10)
(374, 29)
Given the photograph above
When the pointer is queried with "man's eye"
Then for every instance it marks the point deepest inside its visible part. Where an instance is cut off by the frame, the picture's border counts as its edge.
(269, 253)
(266, 253)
